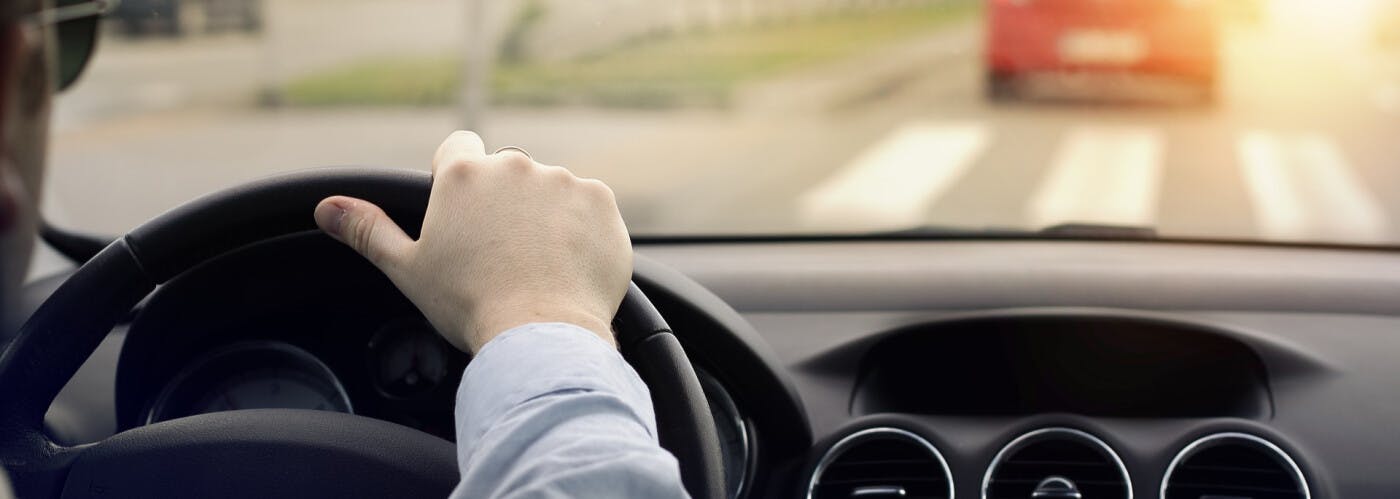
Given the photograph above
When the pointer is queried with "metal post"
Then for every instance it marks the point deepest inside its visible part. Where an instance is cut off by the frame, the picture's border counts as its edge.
(270, 94)
(473, 92)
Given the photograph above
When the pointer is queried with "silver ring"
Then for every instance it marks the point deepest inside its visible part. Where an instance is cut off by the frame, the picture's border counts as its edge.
(514, 148)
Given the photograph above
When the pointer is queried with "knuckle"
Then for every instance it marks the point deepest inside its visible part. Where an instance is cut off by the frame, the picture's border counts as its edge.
(559, 173)
(598, 189)
(457, 168)
(361, 235)
(515, 160)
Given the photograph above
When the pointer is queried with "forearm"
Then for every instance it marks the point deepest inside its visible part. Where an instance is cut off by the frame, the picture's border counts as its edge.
(552, 409)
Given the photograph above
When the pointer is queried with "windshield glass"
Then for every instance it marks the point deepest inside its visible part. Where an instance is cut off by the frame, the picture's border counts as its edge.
(1270, 120)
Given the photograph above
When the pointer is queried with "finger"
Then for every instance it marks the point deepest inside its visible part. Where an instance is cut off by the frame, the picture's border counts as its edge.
(460, 146)
(366, 229)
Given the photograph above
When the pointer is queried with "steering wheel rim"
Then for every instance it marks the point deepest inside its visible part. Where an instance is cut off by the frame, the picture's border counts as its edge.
(67, 328)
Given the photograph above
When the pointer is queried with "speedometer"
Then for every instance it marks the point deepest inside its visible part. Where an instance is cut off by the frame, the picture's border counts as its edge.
(251, 375)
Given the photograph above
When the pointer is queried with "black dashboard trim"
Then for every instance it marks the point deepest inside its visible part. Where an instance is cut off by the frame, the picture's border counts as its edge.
(1282, 361)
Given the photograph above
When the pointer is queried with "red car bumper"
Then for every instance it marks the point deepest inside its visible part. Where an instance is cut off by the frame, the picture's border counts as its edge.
(1160, 37)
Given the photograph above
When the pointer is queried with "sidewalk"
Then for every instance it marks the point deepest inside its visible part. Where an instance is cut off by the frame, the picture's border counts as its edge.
(850, 81)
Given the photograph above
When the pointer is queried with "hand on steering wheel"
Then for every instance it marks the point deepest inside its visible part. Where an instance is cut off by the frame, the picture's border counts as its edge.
(557, 251)
(279, 453)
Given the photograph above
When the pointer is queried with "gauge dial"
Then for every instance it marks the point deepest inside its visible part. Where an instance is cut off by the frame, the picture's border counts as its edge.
(409, 359)
(251, 375)
(273, 388)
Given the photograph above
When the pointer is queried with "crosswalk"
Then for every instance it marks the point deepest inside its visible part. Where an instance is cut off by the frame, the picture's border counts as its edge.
(1101, 175)
(1299, 186)
(1303, 188)
(892, 184)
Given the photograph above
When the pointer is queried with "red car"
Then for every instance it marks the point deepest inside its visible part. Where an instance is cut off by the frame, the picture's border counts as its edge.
(1171, 38)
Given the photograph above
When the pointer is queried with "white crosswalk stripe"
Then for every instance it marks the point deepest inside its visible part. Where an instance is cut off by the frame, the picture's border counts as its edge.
(1101, 174)
(892, 184)
(1303, 188)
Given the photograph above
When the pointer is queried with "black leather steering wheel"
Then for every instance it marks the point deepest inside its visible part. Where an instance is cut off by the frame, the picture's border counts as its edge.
(274, 453)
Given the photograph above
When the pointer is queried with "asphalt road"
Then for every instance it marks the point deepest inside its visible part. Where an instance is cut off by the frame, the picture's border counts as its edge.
(1300, 146)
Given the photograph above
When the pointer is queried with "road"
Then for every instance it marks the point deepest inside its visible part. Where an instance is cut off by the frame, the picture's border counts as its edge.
(1299, 147)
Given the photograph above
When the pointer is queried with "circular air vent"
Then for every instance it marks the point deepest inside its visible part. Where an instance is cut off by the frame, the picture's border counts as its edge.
(1057, 463)
(881, 462)
(1234, 465)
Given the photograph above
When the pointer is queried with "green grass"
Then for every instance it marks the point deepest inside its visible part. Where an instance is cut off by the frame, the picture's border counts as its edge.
(697, 69)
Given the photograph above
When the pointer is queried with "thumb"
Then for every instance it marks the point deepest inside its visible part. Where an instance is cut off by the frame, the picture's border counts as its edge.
(366, 229)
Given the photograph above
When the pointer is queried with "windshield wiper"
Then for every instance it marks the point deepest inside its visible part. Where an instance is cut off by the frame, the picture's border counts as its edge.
(1059, 231)
(1100, 231)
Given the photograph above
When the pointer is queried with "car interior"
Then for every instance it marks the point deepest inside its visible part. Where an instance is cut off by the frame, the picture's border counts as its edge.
(229, 348)
(847, 367)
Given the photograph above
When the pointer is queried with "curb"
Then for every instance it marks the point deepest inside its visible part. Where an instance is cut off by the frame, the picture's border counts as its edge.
(858, 79)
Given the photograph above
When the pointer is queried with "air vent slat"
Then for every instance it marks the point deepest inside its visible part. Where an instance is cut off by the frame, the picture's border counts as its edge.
(1056, 455)
(844, 463)
(1081, 483)
(1216, 488)
(884, 479)
(1234, 464)
(1231, 469)
(881, 457)
(1047, 462)
(878, 469)
(1213, 492)
(868, 481)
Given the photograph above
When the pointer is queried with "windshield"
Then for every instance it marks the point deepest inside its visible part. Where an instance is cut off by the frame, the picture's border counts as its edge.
(1271, 120)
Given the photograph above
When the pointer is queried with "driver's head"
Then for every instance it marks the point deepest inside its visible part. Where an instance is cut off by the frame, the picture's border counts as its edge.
(26, 93)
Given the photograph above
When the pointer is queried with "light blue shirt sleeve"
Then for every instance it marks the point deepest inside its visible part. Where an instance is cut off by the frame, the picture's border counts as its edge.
(551, 410)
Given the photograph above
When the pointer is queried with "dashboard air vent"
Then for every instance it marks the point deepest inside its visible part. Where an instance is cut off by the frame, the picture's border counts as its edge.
(1234, 465)
(1056, 463)
(879, 463)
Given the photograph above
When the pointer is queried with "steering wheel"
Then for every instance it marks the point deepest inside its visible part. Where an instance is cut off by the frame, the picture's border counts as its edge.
(275, 452)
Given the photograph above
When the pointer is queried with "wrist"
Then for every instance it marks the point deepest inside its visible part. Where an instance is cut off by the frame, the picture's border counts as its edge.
(492, 323)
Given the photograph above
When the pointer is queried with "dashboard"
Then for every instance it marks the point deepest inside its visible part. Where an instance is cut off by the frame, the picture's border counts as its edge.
(991, 369)
(301, 322)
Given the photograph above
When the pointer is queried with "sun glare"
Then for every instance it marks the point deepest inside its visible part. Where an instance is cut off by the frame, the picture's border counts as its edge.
(1332, 17)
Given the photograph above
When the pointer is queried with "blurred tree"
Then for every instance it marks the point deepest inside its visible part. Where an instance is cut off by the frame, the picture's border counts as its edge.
(515, 41)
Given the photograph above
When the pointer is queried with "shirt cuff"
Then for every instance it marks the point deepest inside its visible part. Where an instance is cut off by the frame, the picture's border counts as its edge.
(540, 359)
